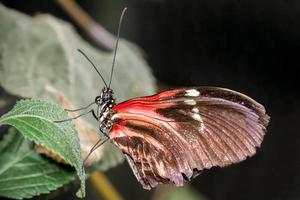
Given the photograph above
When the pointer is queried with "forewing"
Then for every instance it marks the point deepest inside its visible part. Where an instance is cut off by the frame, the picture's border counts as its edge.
(172, 136)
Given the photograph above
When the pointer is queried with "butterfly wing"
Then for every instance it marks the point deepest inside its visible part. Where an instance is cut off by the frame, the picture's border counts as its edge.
(174, 135)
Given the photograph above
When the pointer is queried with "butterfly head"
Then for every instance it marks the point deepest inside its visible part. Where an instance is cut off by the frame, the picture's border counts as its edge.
(106, 97)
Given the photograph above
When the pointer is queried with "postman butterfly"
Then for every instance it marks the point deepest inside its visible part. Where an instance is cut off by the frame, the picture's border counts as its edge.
(172, 136)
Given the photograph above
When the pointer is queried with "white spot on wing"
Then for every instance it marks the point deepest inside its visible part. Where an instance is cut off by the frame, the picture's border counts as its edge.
(195, 110)
(191, 102)
(192, 93)
(197, 117)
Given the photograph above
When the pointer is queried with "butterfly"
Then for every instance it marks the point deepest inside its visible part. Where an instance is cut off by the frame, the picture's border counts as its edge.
(172, 136)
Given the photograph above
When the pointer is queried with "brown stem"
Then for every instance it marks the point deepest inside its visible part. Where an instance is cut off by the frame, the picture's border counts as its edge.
(99, 34)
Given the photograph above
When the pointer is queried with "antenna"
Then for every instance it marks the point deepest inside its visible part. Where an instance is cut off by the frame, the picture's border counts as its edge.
(79, 50)
(116, 47)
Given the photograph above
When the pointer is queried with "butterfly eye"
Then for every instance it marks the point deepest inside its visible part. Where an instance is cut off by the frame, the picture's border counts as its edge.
(106, 97)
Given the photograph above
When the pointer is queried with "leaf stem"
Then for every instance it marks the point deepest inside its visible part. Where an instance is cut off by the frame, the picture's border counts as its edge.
(99, 34)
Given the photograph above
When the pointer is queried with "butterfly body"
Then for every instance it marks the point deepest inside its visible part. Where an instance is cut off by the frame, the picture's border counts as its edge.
(170, 137)
(105, 101)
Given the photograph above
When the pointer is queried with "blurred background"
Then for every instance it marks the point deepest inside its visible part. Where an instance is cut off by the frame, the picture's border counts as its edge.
(249, 46)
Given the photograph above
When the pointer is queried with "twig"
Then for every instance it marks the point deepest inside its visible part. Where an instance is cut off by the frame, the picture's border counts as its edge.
(99, 34)
(104, 187)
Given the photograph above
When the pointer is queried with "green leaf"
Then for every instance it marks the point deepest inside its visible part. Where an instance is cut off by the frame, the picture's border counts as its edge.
(24, 173)
(35, 120)
(41, 50)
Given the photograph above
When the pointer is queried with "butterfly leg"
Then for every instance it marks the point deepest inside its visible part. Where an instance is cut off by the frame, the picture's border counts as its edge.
(95, 115)
(69, 119)
(83, 108)
(99, 143)
(103, 128)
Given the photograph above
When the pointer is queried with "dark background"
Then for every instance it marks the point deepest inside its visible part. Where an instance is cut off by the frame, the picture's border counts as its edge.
(250, 46)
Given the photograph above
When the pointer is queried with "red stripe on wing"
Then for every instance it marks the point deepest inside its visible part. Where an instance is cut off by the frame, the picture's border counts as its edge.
(143, 101)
